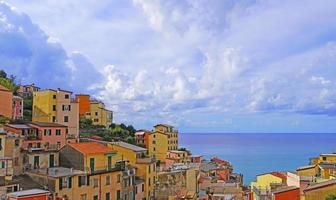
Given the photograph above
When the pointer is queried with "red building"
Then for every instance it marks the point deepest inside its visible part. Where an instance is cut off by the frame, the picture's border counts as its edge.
(17, 107)
(286, 193)
(33, 194)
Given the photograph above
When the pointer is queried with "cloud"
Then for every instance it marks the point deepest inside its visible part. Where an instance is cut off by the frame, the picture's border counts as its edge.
(177, 60)
(34, 57)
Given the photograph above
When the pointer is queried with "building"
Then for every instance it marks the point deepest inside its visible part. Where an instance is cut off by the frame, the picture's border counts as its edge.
(33, 194)
(286, 193)
(267, 183)
(97, 162)
(17, 107)
(320, 190)
(41, 135)
(6, 101)
(176, 156)
(28, 89)
(142, 138)
(307, 171)
(172, 134)
(180, 182)
(58, 107)
(84, 104)
(94, 110)
(146, 166)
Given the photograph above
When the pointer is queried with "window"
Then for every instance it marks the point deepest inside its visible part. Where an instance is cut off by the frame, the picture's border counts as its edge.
(95, 197)
(58, 131)
(136, 189)
(2, 164)
(118, 178)
(47, 132)
(96, 120)
(16, 161)
(142, 187)
(66, 96)
(107, 196)
(54, 107)
(63, 182)
(66, 118)
(324, 158)
(149, 169)
(17, 142)
(118, 194)
(95, 182)
(66, 131)
(96, 113)
(154, 149)
(149, 181)
(83, 197)
(53, 118)
(108, 180)
(82, 180)
(66, 107)
(54, 96)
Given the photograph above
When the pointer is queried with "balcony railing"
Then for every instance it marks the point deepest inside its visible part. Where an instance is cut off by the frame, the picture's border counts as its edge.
(146, 159)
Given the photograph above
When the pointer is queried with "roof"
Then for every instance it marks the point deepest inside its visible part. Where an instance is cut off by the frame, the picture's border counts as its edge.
(166, 125)
(129, 146)
(91, 147)
(285, 189)
(139, 133)
(47, 124)
(305, 167)
(27, 193)
(320, 185)
(17, 97)
(280, 175)
(82, 95)
(19, 126)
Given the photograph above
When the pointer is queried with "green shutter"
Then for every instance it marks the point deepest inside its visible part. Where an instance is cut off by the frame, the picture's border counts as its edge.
(88, 180)
(79, 181)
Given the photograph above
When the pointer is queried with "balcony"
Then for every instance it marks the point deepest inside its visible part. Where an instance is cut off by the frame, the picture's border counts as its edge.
(146, 159)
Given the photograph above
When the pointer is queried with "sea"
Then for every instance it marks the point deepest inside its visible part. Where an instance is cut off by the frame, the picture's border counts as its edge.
(256, 153)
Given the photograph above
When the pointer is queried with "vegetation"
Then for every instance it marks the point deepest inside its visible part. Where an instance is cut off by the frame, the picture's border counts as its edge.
(331, 197)
(8, 82)
(113, 132)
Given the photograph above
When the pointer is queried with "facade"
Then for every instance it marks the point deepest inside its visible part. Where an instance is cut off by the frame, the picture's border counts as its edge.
(146, 166)
(178, 183)
(307, 171)
(286, 193)
(172, 135)
(17, 107)
(176, 156)
(28, 89)
(94, 110)
(320, 190)
(58, 107)
(6, 101)
(84, 104)
(33, 194)
(142, 138)
(98, 163)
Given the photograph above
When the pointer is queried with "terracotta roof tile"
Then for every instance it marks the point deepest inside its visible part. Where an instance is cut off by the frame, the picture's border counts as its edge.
(91, 147)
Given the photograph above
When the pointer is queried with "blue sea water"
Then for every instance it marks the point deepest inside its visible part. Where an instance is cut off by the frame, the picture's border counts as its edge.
(256, 153)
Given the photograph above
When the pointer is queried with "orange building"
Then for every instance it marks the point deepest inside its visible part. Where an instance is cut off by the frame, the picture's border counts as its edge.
(291, 192)
(84, 103)
(6, 101)
(142, 138)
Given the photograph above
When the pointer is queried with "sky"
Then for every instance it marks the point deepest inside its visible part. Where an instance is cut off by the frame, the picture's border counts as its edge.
(201, 65)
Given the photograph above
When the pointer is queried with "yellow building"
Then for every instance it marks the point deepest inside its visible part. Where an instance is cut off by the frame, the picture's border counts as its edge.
(98, 163)
(99, 114)
(56, 106)
(320, 190)
(138, 157)
(308, 171)
(162, 140)
(327, 170)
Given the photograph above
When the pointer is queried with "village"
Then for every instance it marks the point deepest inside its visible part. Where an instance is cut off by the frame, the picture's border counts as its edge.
(68, 148)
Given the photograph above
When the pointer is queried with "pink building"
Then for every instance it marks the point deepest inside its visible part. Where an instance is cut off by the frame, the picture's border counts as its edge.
(41, 135)
(17, 107)
(6, 101)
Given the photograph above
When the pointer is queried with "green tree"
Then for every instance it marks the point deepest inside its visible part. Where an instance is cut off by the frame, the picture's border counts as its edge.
(3, 74)
(331, 197)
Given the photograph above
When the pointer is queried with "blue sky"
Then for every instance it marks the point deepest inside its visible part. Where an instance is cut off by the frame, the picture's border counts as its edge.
(204, 66)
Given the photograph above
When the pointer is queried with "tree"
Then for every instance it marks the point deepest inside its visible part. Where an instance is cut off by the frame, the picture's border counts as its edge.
(3, 74)
(131, 129)
(331, 197)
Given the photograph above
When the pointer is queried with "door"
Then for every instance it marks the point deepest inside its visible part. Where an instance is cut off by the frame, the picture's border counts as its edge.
(36, 161)
(51, 160)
